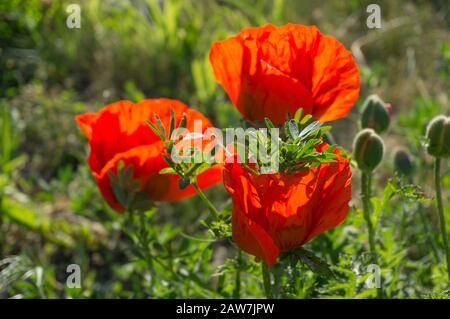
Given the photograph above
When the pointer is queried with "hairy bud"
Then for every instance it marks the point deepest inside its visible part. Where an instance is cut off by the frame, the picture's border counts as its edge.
(403, 163)
(375, 114)
(438, 136)
(368, 150)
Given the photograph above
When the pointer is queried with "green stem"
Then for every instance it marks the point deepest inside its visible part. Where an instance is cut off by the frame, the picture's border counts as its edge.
(403, 222)
(429, 233)
(293, 275)
(237, 287)
(266, 280)
(142, 236)
(440, 207)
(366, 194)
(366, 190)
(205, 199)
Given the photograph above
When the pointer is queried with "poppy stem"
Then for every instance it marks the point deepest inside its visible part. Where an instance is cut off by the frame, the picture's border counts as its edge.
(266, 280)
(429, 233)
(205, 199)
(440, 207)
(366, 182)
(366, 190)
(237, 287)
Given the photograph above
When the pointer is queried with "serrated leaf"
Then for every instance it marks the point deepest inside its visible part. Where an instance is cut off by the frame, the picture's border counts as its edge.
(315, 263)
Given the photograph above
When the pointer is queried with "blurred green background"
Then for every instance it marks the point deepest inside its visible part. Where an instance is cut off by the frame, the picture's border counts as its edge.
(51, 213)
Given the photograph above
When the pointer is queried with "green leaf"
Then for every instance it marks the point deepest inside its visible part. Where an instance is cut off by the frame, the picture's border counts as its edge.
(298, 115)
(155, 130)
(169, 146)
(172, 122)
(161, 126)
(331, 149)
(183, 121)
(12, 269)
(193, 169)
(269, 123)
(168, 161)
(306, 119)
(6, 147)
(315, 263)
(203, 168)
(167, 170)
(309, 130)
(291, 129)
(124, 174)
(117, 189)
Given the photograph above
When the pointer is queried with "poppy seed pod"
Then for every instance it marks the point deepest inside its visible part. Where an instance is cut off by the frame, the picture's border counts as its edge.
(403, 163)
(375, 114)
(368, 150)
(438, 136)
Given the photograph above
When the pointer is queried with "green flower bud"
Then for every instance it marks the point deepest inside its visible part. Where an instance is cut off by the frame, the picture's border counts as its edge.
(368, 150)
(375, 114)
(403, 163)
(438, 136)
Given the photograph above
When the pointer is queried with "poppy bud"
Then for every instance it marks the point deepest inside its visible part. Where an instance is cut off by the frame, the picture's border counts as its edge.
(438, 136)
(368, 149)
(375, 114)
(403, 163)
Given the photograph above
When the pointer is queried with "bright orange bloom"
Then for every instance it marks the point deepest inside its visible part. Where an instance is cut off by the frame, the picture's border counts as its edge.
(119, 132)
(269, 71)
(275, 213)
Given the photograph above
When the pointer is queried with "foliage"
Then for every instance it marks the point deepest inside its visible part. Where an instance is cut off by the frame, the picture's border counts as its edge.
(52, 215)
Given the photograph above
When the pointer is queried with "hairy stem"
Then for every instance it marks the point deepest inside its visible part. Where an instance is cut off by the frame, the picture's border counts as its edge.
(266, 280)
(237, 286)
(440, 207)
(205, 199)
(366, 190)
(429, 233)
(366, 194)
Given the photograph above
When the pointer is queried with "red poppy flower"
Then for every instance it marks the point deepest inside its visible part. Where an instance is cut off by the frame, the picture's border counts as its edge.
(269, 71)
(278, 212)
(119, 133)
